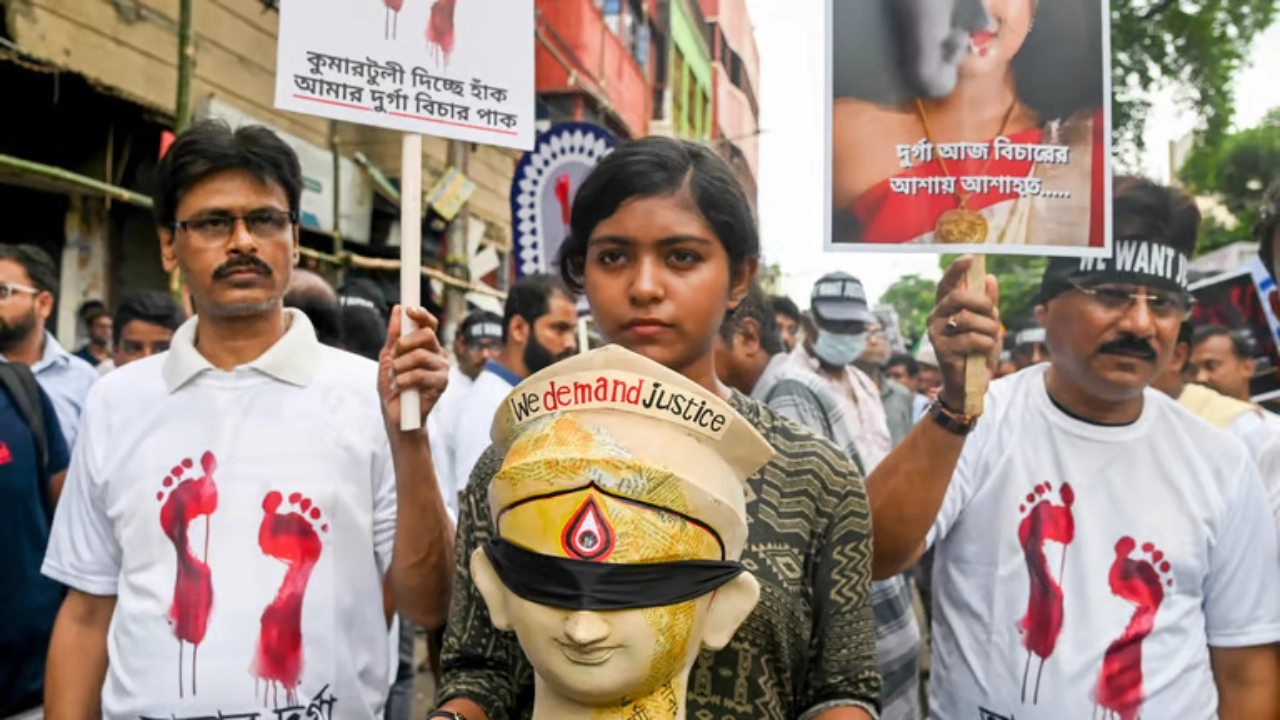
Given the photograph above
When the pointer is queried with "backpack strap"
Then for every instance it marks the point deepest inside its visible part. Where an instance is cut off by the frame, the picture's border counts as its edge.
(21, 385)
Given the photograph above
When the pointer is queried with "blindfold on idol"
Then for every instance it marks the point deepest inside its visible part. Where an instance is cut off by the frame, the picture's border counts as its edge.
(620, 527)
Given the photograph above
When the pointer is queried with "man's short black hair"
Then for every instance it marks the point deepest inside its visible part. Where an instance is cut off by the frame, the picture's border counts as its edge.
(757, 307)
(88, 307)
(150, 306)
(906, 361)
(530, 298)
(211, 147)
(1145, 209)
(39, 266)
(1241, 344)
(786, 307)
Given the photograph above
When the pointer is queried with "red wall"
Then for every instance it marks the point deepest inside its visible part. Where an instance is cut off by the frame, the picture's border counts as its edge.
(576, 30)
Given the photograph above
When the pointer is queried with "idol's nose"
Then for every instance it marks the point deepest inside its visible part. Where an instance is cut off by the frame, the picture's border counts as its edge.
(585, 629)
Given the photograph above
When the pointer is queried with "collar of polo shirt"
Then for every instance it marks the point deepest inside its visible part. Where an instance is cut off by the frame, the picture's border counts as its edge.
(294, 358)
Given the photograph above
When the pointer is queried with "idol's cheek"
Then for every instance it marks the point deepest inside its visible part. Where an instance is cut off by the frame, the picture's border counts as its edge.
(495, 594)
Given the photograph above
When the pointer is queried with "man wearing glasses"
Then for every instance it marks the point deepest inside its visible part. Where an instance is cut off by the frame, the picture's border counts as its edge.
(1101, 552)
(230, 514)
(28, 290)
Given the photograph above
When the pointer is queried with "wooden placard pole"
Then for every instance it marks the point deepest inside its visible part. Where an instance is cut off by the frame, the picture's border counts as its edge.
(410, 259)
(975, 366)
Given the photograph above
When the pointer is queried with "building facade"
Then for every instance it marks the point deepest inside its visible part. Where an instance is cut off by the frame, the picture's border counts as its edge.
(736, 81)
(706, 80)
(98, 82)
(595, 63)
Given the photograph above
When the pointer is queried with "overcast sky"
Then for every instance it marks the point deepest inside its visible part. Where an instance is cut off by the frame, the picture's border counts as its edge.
(788, 34)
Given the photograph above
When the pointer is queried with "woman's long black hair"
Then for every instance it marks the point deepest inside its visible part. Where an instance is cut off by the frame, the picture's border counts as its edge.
(661, 167)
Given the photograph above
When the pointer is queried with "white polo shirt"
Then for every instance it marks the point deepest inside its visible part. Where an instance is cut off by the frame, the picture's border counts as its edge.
(244, 520)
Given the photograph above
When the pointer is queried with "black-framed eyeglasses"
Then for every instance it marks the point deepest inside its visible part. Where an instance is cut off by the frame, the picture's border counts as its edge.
(8, 290)
(1164, 304)
(265, 224)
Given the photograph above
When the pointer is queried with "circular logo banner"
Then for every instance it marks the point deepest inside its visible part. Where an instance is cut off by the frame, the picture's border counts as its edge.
(542, 191)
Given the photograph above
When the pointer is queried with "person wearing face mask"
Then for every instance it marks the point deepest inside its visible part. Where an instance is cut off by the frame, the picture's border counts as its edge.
(835, 334)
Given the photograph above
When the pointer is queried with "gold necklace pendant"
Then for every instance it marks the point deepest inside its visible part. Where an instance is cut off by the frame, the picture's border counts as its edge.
(961, 226)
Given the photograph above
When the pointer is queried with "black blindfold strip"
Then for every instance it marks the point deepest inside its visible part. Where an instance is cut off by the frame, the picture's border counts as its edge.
(582, 585)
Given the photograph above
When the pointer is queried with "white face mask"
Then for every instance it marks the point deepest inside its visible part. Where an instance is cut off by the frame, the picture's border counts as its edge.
(838, 350)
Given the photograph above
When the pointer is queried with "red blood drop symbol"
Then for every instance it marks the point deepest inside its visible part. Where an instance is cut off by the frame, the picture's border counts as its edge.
(588, 536)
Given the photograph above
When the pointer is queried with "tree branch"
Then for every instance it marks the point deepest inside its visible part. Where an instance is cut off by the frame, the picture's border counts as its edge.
(1157, 9)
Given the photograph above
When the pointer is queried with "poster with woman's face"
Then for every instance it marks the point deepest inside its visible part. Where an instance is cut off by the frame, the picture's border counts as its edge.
(969, 126)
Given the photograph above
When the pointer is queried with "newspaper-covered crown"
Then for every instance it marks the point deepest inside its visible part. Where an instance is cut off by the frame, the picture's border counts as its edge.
(602, 445)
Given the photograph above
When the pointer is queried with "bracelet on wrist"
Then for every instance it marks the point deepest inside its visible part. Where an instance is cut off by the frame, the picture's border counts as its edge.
(954, 422)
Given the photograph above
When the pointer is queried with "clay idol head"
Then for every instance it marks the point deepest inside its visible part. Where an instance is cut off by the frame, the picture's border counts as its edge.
(620, 521)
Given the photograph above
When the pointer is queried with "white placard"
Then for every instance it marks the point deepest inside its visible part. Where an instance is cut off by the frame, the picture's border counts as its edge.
(461, 70)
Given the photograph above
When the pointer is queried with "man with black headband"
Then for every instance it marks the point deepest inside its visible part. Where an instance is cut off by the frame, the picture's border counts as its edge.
(477, 341)
(620, 526)
(1028, 347)
(1100, 551)
(479, 338)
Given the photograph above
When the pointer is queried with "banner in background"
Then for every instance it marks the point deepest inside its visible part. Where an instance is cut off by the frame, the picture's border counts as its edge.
(542, 190)
(964, 126)
(1244, 300)
(463, 71)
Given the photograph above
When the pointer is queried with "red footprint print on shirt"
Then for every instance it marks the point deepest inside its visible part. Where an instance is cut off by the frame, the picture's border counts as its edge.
(188, 499)
(440, 29)
(1043, 522)
(1141, 582)
(291, 538)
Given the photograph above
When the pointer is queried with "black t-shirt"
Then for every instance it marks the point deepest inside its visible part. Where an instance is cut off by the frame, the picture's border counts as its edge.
(28, 601)
(87, 356)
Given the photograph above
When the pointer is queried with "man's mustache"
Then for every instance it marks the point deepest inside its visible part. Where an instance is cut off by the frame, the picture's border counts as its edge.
(1129, 346)
(241, 262)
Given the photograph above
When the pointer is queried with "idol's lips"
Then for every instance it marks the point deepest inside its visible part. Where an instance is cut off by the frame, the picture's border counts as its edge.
(593, 655)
